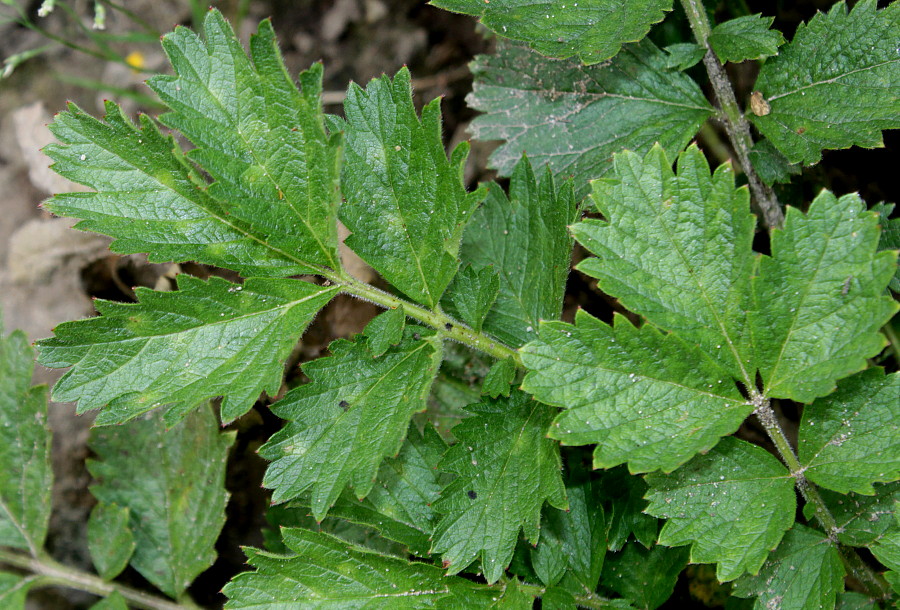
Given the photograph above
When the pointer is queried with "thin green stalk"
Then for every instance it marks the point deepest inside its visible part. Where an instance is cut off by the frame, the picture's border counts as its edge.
(892, 338)
(52, 573)
(736, 125)
(875, 585)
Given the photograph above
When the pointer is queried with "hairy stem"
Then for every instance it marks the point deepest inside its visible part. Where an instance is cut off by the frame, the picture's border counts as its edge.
(874, 584)
(586, 600)
(52, 573)
(736, 125)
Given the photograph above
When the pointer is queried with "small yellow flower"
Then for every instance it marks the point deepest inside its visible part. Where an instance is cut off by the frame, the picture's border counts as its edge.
(135, 59)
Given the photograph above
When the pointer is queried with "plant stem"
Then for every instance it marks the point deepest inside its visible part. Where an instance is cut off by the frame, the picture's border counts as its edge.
(53, 573)
(892, 338)
(875, 585)
(449, 327)
(586, 600)
(736, 125)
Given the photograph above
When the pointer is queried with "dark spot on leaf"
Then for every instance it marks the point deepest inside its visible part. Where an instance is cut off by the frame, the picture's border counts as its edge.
(417, 336)
(471, 493)
(448, 326)
(344, 404)
(801, 130)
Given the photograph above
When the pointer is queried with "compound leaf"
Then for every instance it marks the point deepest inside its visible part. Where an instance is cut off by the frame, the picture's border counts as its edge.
(173, 484)
(506, 469)
(849, 440)
(326, 572)
(675, 248)
(110, 539)
(351, 415)
(820, 298)
(804, 572)
(835, 85)
(405, 202)
(747, 37)
(594, 30)
(733, 504)
(644, 398)
(261, 140)
(646, 577)
(572, 118)
(525, 238)
(25, 473)
(207, 339)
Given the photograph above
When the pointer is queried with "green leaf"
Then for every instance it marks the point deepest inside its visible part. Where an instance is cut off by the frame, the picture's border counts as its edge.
(24, 449)
(14, 589)
(405, 202)
(646, 577)
(261, 140)
(835, 85)
(209, 338)
(399, 505)
(803, 573)
(890, 236)
(734, 504)
(525, 238)
(506, 469)
(887, 548)
(683, 55)
(385, 330)
(352, 415)
(849, 440)
(850, 600)
(644, 398)
(861, 520)
(110, 539)
(675, 248)
(625, 515)
(114, 601)
(820, 298)
(573, 118)
(744, 38)
(472, 294)
(172, 482)
(326, 572)
(771, 165)
(499, 378)
(594, 30)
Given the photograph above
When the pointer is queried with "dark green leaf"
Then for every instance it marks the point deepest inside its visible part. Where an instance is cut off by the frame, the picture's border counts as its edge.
(747, 37)
(850, 600)
(573, 118)
(733, 504)
(626, 516)
(110, 539)
(861, 520)
(351, 415)
(804, 572)
(771, 165)
(887, 548)
(646, 577)
(25, 473)
(835, 85)
(113, 602)
(820, 298)
(472, 293)
(499, 378)
(385, 330)
(593, 30)
(172, 482)
(209, 338)
(890, 236)
(644, 398)
(849, 440)
(506, 469)
(14, 589)
(405, 202)
(683, 55)
(261, 140)
(525, 238)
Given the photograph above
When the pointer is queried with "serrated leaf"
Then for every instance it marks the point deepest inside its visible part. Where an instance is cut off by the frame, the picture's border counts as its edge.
(890, 236)
(683, 55)
(325, 572)
(835, 85)
(507, 468)
(675, 248)
(820, 298)
(626, 516)
(849, 439)
(645, 577)
(803, 573)
(405, 202)
(352, 415)
(644, 398)
(399, 505)
(472, 294)
(572, 118)
(207, 339)
(110, 539)
(14, 589)
(172, 482)
(593, 30)
(861, 520)
(771, 165)
(385, 330)
(498, 380)
(744, 38)
(261, 140)
(114, 601)
(25, 473)
(525, 238)
(732, 504)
